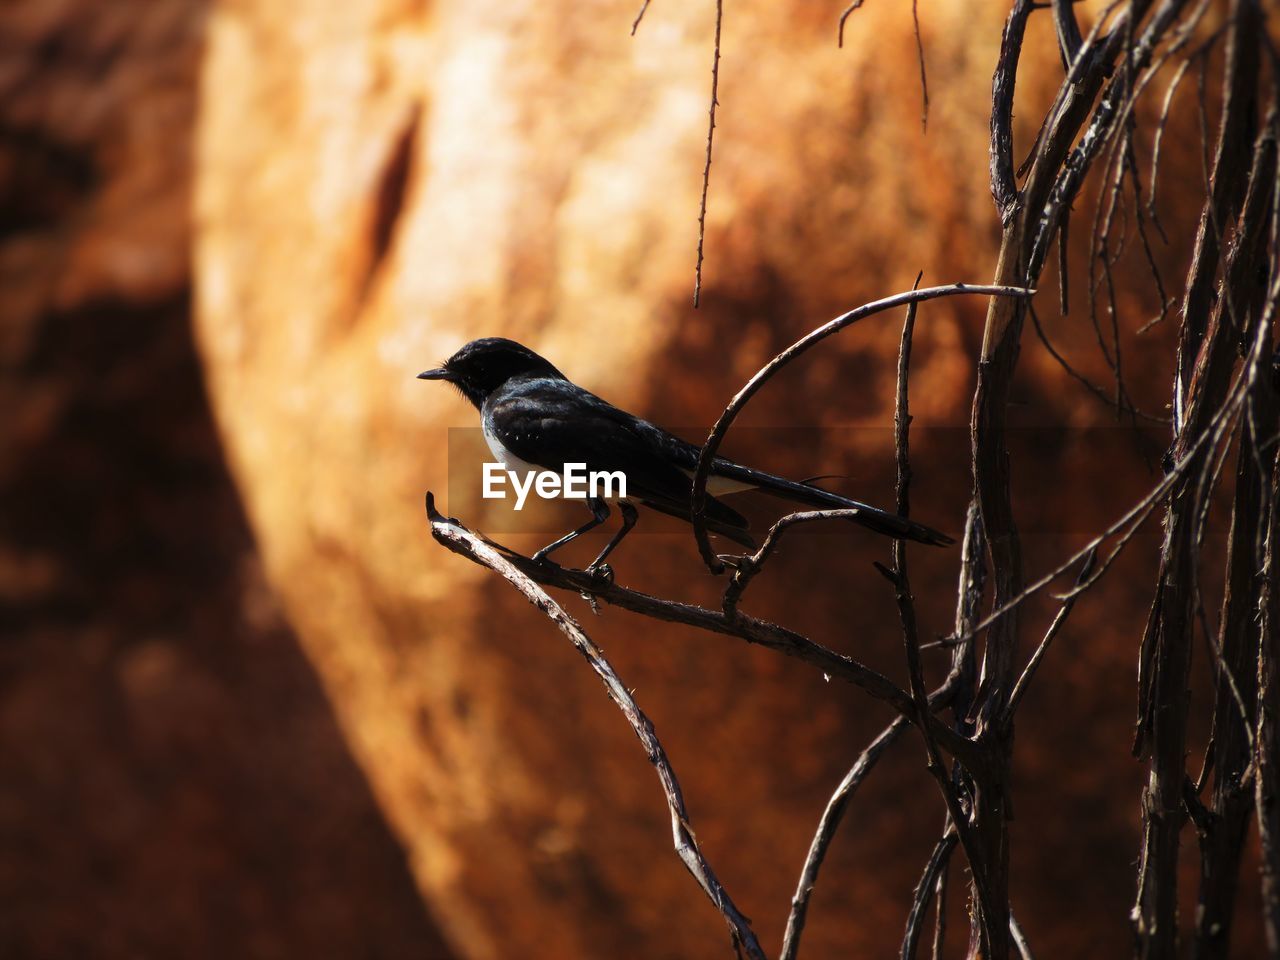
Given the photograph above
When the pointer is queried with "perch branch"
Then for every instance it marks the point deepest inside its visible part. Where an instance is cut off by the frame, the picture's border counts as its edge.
(686, 845)
(451, 534)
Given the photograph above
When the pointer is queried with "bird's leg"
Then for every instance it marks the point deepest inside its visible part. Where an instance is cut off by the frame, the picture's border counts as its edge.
(629, 517)
(599, 514)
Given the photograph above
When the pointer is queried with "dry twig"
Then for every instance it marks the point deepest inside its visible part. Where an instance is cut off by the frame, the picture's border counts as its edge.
(463, 541)
(765, 373)
(706, 170)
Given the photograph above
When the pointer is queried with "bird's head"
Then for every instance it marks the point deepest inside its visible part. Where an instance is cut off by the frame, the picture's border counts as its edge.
(483, 366)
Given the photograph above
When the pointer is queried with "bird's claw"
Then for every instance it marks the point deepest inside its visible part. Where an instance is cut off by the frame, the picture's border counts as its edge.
(734, 561)
(601, 571)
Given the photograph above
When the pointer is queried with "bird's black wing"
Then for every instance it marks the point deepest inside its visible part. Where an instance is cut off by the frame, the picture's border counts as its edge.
(550, 422)
(660, 462)
(685, 455)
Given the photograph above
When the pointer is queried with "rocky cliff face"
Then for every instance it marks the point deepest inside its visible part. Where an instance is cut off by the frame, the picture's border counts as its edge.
(380, 182)
(174, 783)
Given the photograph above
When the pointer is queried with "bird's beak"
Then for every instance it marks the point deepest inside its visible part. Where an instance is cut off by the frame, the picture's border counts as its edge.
(440, 373)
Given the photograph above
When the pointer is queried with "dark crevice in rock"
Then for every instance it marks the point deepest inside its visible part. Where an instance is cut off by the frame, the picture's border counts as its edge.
(393, 189)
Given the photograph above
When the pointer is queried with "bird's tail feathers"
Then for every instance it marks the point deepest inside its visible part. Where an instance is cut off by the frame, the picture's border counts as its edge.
(873, 518)
(719, 519)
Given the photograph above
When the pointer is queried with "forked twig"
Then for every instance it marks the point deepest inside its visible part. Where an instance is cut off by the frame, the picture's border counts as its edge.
(746, 568)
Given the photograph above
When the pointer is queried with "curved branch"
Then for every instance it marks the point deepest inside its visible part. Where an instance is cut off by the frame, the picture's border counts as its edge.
(837, 806)
(925, 891)
(911, 638)
(827, 826)
(762, 376)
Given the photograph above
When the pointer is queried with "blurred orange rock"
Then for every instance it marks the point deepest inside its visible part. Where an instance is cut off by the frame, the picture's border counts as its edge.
(174, 784)
(380, 182)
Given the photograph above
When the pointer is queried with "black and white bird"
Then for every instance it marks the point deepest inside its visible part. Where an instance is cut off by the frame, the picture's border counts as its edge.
(534, 417)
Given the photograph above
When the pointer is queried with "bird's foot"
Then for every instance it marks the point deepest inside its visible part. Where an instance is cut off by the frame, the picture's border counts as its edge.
(602, 572)
(733, 561)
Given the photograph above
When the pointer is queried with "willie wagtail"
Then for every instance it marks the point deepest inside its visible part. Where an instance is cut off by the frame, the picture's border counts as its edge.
(534, 417)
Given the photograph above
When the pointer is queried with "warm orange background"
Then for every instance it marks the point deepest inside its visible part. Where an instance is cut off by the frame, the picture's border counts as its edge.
(249, 709)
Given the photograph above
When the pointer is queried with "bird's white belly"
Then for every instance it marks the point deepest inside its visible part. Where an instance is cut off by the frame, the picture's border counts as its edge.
(716, 486)
(521, 468)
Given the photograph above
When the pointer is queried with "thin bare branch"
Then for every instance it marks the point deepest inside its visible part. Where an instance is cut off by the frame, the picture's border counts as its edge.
(838, 805)
(1068, 30)
(1128, 524)
(940, 914)
(1019, 939)
(1084, 381)
(1029, 671)
(765, 373)
(1266, 741)
(848, 12)
(1064, 299)
(827, 827)
(1159, 136)
(1003, 185)
(1131, 160)
(706, 170)
(924, 79)
(924, 892)
(635, 24)
(686, 845)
